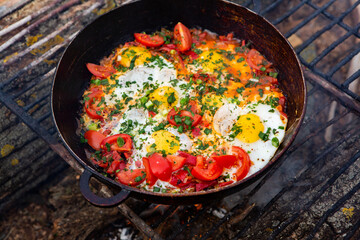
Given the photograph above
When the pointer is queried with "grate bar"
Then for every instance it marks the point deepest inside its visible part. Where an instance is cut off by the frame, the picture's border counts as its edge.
(344, 61)
(43, 117)
(14, 8)
(290, 185)
(291, 11)
(165, 216)
(338, 204)
(351, 78)
(308, 19)
(271, 7)
(37, 101)
(326, 28)
(318, 194)
(25, 31)
(352, 231)
(331, 17)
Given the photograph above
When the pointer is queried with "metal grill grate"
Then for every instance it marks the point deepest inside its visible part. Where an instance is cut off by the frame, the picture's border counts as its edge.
(303, 196)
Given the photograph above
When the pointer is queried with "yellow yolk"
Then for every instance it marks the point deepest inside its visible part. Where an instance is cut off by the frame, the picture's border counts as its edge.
(168, 97)
(250, 125)
(212, 100)
(211, 61)
(164, 141)
(128, 54)
(240, 68)
(232, 89)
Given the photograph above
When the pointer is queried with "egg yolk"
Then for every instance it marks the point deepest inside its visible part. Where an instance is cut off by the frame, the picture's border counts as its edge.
(127, 55)
(164, 141)
(167, 97)
(211, 61)
(212, 100)
(250, 125)
(240, 68)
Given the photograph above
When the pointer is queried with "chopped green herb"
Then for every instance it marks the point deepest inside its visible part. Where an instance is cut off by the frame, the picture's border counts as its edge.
(120, 141)
(275, 141)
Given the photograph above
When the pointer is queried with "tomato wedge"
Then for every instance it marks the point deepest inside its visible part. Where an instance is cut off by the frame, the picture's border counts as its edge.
(131, 177)
(91, 108)
(150, 178)
(149, 41)
(256, 60)
(182, 37)
(226, 161)
(176, 161)
(94, 138)
(195, 118)
(112, 143)
(180, 179)
(100, 71)
(206, 169)
(160, 167)
(245, 162)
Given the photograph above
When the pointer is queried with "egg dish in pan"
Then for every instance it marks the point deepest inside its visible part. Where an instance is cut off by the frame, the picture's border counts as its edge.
(182, 111)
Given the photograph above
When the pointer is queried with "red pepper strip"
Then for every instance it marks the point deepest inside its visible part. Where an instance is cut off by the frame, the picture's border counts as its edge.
(112, 141)
(202, 185)
(190, 159)
(223, 184)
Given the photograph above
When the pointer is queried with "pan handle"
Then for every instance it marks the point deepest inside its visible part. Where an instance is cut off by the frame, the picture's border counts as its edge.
(96, 200)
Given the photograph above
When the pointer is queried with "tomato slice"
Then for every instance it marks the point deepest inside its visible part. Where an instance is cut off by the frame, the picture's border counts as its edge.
(150, 178)
(176, 161)
(94, 139)
(111, 143)
(131, 177)
(180, 179)
(245, 162)
(226, 161)
(149, 41)
(160, 167)
(190, 159)
(90, 105)
(100, 71)
(182, 37)
(256, 60)
(170, 117)
(206, 169)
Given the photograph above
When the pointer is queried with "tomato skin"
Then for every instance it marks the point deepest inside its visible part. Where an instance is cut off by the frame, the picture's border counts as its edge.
(100, 71)
(196, 132)
(226, 161)
(115, 165)
(112, 141)
(160, 167)
(90, 105)
(128, 177)
(256, 60)
(245, 160)
(196, 118)
(94, 138)
(202, 185)
(182, 36)
(206, 169)
(190, 159)
(152, 114)
(180, 179)
(150, 178)
(223, 184)
(170, 117)
(149, 41)
(176, 162)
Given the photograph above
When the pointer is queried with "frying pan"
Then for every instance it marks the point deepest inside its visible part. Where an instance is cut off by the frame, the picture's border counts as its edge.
(100, 37)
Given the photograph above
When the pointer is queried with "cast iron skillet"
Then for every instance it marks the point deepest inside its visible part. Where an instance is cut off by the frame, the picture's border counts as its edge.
(99, 38)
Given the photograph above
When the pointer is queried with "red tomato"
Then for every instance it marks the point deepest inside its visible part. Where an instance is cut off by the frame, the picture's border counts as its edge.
(168, 47)
(206, 169)
(112, 141)
(226, 161)
(170, 117)
(100, 71)
(149, 41)
(90, 105)
(256, 60)
(223, 184)
(131, 177)
(160, 167)
(115, 165)
(282, 101)
(180, 179)
(182, 37)
(245, 162)
(196, 118)
(196, 132)
(150, 178)
(176, 161)
(94, 139)
(228, 37)
(152, 114)
(192, 55)
(202, 185)
(190, 159)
